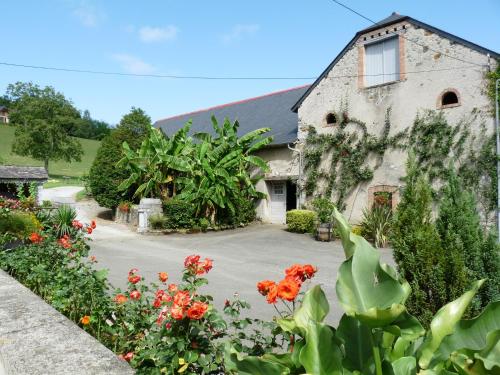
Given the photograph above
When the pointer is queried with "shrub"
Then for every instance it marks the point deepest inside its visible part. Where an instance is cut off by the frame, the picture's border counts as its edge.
(104, 177)
(376, 224)
(417, 247)
(62, 219)
(244, 212)
(301, 221)
(18, 224)
(463, 240)
(324, 209)
(178, 214)
(158, 221)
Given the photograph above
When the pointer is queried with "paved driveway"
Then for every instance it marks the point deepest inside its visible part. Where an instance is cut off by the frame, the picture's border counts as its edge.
(241, 257)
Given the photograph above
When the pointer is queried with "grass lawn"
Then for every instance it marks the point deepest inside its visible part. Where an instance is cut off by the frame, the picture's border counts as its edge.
(61, 173)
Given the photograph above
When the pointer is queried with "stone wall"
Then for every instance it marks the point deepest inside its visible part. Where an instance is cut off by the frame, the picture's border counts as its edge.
(412, 93)
(36, 339)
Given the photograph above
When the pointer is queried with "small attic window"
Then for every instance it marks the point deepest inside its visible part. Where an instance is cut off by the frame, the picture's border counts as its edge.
(449, 98)
(331, 119)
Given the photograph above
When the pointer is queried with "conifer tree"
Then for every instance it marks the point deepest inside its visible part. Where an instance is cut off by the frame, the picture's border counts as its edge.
(417, 247)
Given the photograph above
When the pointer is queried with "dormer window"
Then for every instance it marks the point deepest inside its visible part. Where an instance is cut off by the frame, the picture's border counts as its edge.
(382, 62)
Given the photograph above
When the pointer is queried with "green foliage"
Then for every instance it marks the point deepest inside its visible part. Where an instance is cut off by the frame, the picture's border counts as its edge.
(18, 224)
(376, 224)
(324, 209)
(301, 221)
(418, 251)
(348, 153)
(158, 221)
(244, 212)
(376, 335)
(42, 118)
(436, 144)
(179, 214)
(491, 78)
(104, 176)
(62, 220)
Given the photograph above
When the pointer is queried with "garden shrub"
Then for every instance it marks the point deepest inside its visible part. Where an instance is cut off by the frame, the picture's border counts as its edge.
(178, 214)
(19, 224)
(323, 208)
(462, 237)
(244, 212)
(301, 221)
(158, 221)
(104, 177)
(417, 248)
(376, 224)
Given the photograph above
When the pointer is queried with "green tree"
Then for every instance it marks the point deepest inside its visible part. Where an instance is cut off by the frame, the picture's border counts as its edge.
(461, 238)
(42, 118)
(104, 176)
(417, 247)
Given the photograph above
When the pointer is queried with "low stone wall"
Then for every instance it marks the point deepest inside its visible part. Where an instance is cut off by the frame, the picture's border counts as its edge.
(37, 339)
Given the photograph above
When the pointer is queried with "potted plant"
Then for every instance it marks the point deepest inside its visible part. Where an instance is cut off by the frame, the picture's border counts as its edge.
(324, 211)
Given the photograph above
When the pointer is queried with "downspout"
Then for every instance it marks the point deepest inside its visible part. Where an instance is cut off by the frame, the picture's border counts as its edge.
(299, 181)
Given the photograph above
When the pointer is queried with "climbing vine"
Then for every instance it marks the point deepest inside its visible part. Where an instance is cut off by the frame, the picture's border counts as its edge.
(336, 163)
(436, 144)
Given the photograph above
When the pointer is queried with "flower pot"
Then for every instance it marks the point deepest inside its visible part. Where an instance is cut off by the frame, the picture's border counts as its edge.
(324, 232)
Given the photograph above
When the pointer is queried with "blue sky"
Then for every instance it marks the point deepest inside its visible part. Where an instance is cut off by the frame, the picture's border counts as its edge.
(214, 38)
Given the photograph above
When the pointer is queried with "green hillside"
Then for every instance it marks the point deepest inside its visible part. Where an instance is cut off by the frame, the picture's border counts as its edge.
(61, 173)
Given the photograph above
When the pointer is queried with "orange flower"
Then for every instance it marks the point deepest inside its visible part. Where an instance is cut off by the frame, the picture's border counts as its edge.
(92, 224)
(264, 286)
(182, 298)
(163, 276)
(177, 312)
(309, 270)
(288, 289)
(120, 298)
(197, 310)
(207, 265)
(272, 294)
(35, 238)
(89, 230)
(172, 288)
(135, 294)
(295, 271)
(85, 320)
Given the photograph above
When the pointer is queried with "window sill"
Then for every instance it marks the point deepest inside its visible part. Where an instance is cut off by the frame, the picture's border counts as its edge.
(383, 84)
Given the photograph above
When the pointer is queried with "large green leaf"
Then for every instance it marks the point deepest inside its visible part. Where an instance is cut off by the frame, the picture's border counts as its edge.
(367, 290)
(314, 308)
(405, 366)
(444, 323)
(473, 335)
(356, 340)
(254, 365)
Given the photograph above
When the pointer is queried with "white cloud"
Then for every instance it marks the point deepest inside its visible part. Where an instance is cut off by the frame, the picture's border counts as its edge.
(150, 34)
(88, 14)
(133, 64)
(239, 31)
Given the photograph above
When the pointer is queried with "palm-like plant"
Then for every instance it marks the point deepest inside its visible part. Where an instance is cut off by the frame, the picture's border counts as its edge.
(157, 163)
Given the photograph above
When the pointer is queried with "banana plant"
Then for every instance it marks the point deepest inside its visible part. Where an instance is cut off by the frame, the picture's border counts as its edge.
(377, 335)
(155, 166)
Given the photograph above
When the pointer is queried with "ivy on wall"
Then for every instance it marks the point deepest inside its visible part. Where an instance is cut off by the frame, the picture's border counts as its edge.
(346, 156)
(337, 162)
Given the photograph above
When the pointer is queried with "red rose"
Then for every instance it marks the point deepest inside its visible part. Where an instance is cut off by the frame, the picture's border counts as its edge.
(264, 286)
(207, 265)
(272, 294)
(191, 260)
(93, 224)
(89, 230)
(134, 279)
(35, 238)
(177, 312)
(288, 289)
(197, 310)
(182, 298)
(128, 357)
(172, 288)
(135, 294)
(309, 270)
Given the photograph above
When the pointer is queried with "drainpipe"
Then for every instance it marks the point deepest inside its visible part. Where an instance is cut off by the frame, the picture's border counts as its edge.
(497, 125)
(299, 181)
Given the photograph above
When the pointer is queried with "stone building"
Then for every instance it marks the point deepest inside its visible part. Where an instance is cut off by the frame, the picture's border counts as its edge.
(267, 111)
(407, 66)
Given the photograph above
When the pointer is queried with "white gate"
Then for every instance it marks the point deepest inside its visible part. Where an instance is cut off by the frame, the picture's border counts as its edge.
(278, 202)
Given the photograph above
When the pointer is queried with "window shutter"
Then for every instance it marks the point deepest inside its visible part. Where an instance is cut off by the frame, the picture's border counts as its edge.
(374, 68)
(391, 60)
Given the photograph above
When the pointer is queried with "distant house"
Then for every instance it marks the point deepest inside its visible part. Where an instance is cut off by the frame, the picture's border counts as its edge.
(4, 115)
(405, 65)
(273, 111)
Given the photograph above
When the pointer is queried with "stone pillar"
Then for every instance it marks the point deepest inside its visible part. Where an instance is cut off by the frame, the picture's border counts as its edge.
(148, 207)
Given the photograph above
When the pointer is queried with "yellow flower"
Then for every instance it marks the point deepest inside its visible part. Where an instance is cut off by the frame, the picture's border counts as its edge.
(85, 320)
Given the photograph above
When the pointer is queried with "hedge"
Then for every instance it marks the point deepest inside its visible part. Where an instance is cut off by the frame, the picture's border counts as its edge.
(301, 221)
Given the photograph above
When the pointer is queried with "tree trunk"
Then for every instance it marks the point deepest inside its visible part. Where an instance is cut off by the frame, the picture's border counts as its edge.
(46, 164)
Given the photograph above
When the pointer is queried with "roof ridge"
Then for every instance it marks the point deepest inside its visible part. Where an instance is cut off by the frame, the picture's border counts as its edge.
(234, 103)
